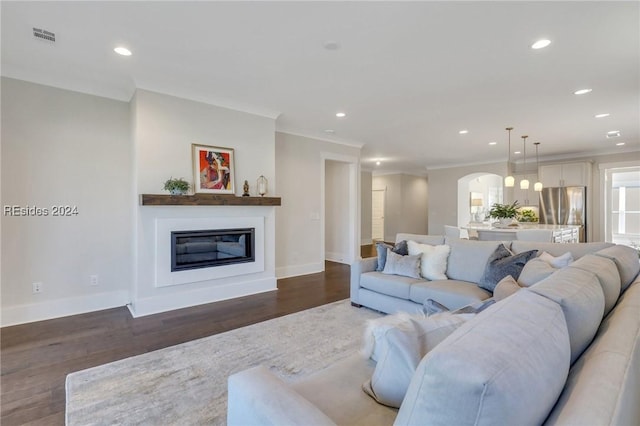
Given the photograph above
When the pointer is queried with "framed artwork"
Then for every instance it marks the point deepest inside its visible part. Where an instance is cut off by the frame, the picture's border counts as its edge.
(213, 169)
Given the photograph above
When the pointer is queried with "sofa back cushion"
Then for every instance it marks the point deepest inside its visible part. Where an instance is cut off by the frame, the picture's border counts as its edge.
(579, 294)
(606, 272)
(626, 259)
(577, 250)
(468, 258)
(535, 271)
(506, 366)
(433, 240)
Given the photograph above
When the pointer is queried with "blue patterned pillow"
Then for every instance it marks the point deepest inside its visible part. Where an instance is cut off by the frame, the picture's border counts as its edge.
(400, 248)
(502, 263)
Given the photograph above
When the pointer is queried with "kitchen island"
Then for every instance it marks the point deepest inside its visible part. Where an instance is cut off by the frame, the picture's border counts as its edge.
(496, 232)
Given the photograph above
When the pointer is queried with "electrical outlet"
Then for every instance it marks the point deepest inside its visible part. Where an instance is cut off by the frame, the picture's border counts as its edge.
(93, 280)
(37, 288)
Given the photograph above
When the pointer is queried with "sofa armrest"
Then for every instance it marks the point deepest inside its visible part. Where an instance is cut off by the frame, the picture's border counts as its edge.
(257, 397)
(359, 267)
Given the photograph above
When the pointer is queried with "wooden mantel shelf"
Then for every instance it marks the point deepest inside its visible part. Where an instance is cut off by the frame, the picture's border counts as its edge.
(206, 200)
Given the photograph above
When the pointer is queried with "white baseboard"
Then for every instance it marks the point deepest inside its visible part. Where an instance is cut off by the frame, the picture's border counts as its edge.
(297, 270)
(169, 302)
(41, 311)
(337, 257)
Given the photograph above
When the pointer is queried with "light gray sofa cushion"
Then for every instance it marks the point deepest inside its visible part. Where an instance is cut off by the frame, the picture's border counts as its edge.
(579, 294)
(451, 293)
(506, 367)
(607, 272)
(577, 250)
(468, 258)
(603, 386)
(626, 259)
(391, 285)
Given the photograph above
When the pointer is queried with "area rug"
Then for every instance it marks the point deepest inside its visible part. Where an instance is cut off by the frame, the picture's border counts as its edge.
(187, 384)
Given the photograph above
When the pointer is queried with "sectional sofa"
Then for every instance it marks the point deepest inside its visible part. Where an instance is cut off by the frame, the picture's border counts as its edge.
(563, 351)
(465, 266)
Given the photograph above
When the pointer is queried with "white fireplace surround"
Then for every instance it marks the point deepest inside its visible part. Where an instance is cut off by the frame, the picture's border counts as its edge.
(164, 226)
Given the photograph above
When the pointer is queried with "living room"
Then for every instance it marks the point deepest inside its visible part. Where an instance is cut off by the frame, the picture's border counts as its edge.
(91, 130)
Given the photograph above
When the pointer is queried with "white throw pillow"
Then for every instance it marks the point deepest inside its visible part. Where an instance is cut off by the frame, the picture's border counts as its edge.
(505, 288)
(557, 262)
(534, 271)
(403, 342)
(433, 263)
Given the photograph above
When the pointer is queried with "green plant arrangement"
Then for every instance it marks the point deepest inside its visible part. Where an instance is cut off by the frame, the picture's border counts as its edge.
(527, 216)
(504, 211)
(177, 186)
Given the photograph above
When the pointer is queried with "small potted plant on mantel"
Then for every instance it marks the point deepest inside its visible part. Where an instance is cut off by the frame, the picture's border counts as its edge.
(177, 186)
(505, 213)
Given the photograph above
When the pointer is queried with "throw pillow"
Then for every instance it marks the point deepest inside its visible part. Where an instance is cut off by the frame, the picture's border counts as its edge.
(506, 287)
(396, 264)
(433, 263)
(557, 262)
(502, 263)
(534, 271)
(401, 349)
(381, 250)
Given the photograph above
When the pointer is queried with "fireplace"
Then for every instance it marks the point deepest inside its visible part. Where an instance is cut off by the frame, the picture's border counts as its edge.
(212, 247)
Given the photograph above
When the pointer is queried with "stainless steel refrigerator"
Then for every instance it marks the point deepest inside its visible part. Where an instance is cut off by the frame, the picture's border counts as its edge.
(565, 206)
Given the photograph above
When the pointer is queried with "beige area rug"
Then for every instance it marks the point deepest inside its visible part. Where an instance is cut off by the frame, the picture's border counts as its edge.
(187, 384)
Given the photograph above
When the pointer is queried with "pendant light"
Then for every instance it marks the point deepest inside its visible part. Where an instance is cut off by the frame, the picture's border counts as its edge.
(524, 183)
(538, 185)
(509, 181)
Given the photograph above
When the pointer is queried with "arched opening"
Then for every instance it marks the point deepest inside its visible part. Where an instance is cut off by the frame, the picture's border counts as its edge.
(477, 192)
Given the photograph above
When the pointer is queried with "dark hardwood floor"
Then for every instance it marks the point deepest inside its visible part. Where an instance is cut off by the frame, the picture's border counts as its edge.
(36, 357)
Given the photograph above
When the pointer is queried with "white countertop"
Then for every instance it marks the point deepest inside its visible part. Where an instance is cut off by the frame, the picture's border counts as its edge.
(495, 227)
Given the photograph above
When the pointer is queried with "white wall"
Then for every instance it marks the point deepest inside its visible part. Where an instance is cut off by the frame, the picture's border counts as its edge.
(336, 192)
(443, 193)
(165, 127)
(406, 205)
(64, 148)
(299, 171)
(366, 224)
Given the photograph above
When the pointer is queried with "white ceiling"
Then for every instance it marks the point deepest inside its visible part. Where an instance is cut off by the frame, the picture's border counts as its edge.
(409, 75)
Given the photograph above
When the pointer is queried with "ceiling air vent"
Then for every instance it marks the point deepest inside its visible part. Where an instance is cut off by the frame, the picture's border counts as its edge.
(44, 35)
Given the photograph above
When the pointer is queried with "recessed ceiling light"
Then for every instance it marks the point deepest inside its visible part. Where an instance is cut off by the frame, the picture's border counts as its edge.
(516, 152)
(603, 115)
(541, 44)
(620, 144)
(463, 132)
(582, 91)
(493, 143)
(122, 51)
(613, 134)
(341, 114)
(331, 45)
(329, 131)
(377, 163)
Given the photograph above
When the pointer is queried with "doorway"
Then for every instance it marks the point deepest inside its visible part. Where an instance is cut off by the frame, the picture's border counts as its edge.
(378, 197)
(340, 224)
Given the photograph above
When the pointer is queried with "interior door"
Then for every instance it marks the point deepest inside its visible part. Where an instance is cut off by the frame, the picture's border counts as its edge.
(377, 214)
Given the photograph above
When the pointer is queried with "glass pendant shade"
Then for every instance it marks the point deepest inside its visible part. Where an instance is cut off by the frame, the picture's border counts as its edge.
(524, 184)
(509, 181)
(538, 185)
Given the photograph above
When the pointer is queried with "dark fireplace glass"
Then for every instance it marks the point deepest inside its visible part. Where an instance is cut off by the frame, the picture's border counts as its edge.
(211, 247)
